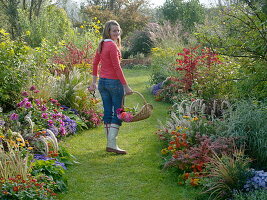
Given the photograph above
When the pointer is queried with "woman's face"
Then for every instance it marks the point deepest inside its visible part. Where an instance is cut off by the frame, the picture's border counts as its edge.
(114, 32)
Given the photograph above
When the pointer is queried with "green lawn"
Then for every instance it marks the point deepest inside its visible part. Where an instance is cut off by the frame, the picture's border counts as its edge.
(137, 175)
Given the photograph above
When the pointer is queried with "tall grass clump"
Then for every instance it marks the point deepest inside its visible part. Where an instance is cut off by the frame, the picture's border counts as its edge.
(247, 122)
(13, 163)
(227, 174)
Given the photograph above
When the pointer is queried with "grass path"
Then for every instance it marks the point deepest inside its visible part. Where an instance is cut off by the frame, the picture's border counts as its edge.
(137, 175)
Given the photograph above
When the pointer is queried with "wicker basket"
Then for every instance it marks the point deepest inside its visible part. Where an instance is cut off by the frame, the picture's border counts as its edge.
(145, 111)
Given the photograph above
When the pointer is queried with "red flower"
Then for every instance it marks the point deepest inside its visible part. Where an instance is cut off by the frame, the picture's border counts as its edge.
(16, 188)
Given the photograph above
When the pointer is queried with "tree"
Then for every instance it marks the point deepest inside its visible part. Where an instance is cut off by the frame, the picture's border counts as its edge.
(187, 12)
(10, 9)
(129, 14)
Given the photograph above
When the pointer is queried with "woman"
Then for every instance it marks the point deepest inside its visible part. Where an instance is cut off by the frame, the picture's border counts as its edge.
(112, 84)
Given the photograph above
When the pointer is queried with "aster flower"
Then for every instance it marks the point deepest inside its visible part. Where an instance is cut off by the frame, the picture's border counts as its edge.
(24, 93)
(43, 108)
(45, 115)
(14, 116)
(28, 104)
(33, 88)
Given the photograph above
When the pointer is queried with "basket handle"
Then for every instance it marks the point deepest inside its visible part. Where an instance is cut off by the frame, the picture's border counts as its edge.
(145, 102)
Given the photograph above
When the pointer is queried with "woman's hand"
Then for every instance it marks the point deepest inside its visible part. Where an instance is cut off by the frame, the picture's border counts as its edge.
(127, 90)
(92, 87)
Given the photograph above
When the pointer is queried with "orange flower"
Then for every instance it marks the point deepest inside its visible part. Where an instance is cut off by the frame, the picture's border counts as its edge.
(194, 181)
(186, 175)
(170, 147)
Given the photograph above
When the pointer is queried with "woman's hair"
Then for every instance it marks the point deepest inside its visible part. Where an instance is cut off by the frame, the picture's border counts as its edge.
(106, 34)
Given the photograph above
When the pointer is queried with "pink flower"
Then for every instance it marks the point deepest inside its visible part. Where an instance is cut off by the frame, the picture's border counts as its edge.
(43, 108)
(14, 116)
(45, 115)
(36, 91)
(62, 130)
(32, 88)
(50, 122)
(24, 93)
(38, 102)
(28, 104)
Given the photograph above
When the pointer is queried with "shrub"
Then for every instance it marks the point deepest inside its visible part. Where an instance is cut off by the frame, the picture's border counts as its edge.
(140, 42)
(16, 68)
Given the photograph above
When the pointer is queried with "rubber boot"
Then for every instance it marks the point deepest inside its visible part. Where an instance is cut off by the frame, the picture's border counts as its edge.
(106, 130)
(112, 140)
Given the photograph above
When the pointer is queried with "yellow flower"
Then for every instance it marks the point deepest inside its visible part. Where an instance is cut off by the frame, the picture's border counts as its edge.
(195, 118)
(30, 148)
(2, 136)
(19, 139)
(96, 31)
(98, 21)
(164, 151)
(22, 144)
(28, 33)
(95, 18)
(81, 26)
(186, 117)
(178, 127)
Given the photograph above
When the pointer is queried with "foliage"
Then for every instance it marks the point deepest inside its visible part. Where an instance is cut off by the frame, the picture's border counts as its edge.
(74, 57)
(72, 91)
(161, 65)
(227, 174)
(33, 188)
(237, 31)
(190, 62)
(190, 150)
(248, 123)
(52, 170)
(44, 114)
(254, 195)
(187, 12)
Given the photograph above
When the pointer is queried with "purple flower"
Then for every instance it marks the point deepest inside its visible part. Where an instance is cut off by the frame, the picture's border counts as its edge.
(43, 108)
(33, 88)
(28, 104)
(54, 130)
(41, 157)
(36, 91)
(50, 122)
(53, 101)
(14, 116)
(22, 103)
(62, 131)
(2, 122)
(156, 88)
(24, 93)
(60, 164)
(45, 115)
(38, 102)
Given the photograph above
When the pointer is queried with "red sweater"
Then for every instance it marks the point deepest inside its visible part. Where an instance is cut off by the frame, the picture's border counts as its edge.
(110, 62)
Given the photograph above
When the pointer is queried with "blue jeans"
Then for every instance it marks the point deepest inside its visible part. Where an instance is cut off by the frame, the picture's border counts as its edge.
(111, 91)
